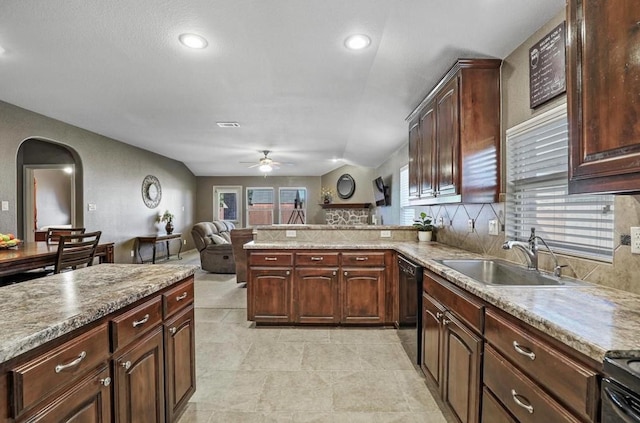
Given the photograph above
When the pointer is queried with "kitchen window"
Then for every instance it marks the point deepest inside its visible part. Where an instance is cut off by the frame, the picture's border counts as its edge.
(537, 192)
(407, 213)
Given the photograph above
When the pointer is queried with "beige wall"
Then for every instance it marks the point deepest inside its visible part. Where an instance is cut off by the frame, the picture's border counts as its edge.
(206, 184)
(112, 179)
(363, 176)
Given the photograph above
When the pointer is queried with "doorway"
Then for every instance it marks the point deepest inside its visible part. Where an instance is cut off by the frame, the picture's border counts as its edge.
(48, 198)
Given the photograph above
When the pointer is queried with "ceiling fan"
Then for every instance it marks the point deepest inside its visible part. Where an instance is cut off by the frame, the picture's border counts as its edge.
(266, 164)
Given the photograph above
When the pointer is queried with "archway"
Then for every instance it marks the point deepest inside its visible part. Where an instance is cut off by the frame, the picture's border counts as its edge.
(59, 192)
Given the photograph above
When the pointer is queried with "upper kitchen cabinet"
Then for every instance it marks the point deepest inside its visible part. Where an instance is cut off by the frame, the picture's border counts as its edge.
(603, 95)
(454, 137)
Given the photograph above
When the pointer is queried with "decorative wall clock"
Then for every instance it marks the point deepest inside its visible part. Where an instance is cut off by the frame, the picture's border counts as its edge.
(151, 191)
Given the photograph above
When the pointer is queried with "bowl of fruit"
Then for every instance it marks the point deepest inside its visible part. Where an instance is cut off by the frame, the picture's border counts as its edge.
(8, 241)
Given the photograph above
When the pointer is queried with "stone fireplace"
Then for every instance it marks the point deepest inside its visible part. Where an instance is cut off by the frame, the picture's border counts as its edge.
(347, 214)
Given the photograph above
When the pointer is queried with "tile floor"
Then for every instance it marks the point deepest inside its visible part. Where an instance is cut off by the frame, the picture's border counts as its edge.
(285, 374)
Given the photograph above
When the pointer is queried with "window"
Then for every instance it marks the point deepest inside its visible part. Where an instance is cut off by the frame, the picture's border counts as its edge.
(407, 213)
(293, 205)
(259, 206)
(227, 204)
(537, 192)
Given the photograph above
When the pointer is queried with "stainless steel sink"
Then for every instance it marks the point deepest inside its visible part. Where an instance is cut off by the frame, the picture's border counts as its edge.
(503, 273)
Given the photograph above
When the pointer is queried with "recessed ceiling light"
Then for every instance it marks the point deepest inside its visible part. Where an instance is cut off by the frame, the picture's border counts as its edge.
(357, 42)
(193, 41)
(228, 124)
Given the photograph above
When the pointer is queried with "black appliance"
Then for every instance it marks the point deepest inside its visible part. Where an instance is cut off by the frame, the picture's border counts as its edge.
(410, 307)
(620, 391)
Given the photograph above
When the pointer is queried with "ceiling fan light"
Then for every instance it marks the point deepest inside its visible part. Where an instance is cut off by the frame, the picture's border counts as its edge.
(265, 168)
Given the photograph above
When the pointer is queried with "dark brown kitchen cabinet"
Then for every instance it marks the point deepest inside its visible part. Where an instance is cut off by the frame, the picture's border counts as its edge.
(89, 401)
(452, 345)
(454, 136)
(139, 381)
(603, 82)
(363, 295)
(492, 410)
(315, 295)
(180, 373)
(269, 290)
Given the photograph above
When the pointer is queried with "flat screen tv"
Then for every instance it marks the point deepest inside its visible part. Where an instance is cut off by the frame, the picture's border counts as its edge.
(380, 192)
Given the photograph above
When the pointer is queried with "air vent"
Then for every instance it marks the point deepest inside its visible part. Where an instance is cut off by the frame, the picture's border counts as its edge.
(228, 124)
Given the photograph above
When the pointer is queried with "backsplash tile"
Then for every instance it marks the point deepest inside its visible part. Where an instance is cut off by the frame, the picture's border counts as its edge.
(622, 274)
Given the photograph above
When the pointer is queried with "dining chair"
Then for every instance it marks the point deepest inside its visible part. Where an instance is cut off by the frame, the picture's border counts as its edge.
(76, 250)
(53, 234)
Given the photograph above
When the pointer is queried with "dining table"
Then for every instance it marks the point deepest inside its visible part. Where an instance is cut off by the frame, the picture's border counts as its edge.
(38, 254)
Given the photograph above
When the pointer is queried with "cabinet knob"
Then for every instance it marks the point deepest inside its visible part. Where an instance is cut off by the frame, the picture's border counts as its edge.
(439, 315)
(126, 365)
(288, 272)
(521, 402)
(335, 273)
(105, 382)
(524, 350)
(173, 330)
(446, 321)
(346, 273)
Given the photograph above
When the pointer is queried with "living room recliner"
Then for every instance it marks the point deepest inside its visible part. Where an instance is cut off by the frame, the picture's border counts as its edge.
(213, 240)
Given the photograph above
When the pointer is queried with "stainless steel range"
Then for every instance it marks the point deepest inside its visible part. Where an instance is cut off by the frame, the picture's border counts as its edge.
(620, 390)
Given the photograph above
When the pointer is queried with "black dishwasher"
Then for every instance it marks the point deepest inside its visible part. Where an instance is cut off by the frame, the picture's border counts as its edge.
(409, 320)
(620, 391)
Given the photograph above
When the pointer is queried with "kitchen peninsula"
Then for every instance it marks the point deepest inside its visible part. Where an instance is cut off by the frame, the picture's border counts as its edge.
(546, 343)
(68, 338)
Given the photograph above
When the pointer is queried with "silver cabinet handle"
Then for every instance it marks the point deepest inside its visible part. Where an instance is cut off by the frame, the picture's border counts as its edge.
(439, 315)
(335, 273)
(142, 321)
(126, 365)
(105, 382)
(346, 273)
(516, 398)
(446, 321)
(173, 330)
(288, 272)
(181, 297)
(317, 258)
(524, 351)
(270, 258)
(362, 258)
(61, 367)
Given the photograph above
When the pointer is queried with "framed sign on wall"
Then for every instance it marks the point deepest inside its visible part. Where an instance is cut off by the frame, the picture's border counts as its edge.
(547, 67)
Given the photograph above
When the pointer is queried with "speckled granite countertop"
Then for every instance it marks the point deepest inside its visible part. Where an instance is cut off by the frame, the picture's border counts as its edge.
(591, 319)
(38, 311)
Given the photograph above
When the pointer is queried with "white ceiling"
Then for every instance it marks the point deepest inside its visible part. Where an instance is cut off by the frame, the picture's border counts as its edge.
(277, 67)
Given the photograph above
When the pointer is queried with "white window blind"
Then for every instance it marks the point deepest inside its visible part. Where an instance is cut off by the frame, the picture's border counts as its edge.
(407, 213)
(537, 192)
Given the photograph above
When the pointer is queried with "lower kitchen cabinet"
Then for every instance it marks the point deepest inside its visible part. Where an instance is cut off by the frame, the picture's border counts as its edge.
(139, 381)
(461, 365)
(452, 346)
(179, 339)
(315, 295)
(320, 287)
(363, 295)
(492, 411)
(89, 401)
(269, 292)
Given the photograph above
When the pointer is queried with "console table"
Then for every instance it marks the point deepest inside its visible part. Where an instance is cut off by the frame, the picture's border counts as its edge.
(154, 239)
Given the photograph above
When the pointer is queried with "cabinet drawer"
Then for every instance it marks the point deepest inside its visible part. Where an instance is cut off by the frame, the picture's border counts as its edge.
(133, 323)
(460, 303)
(270, 259)
(317, 259)
(569, 381)
(525, 400)
(178, 298)
(492, 410)
(365, 258)
(54, 369)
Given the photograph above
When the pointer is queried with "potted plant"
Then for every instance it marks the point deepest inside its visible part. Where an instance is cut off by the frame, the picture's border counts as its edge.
(166, 217)
(424, 226)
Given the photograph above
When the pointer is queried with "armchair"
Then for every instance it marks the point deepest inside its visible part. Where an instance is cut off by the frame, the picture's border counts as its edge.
(213, 241)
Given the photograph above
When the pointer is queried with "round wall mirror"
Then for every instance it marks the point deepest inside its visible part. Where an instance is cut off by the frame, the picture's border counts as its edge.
(346, 186)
